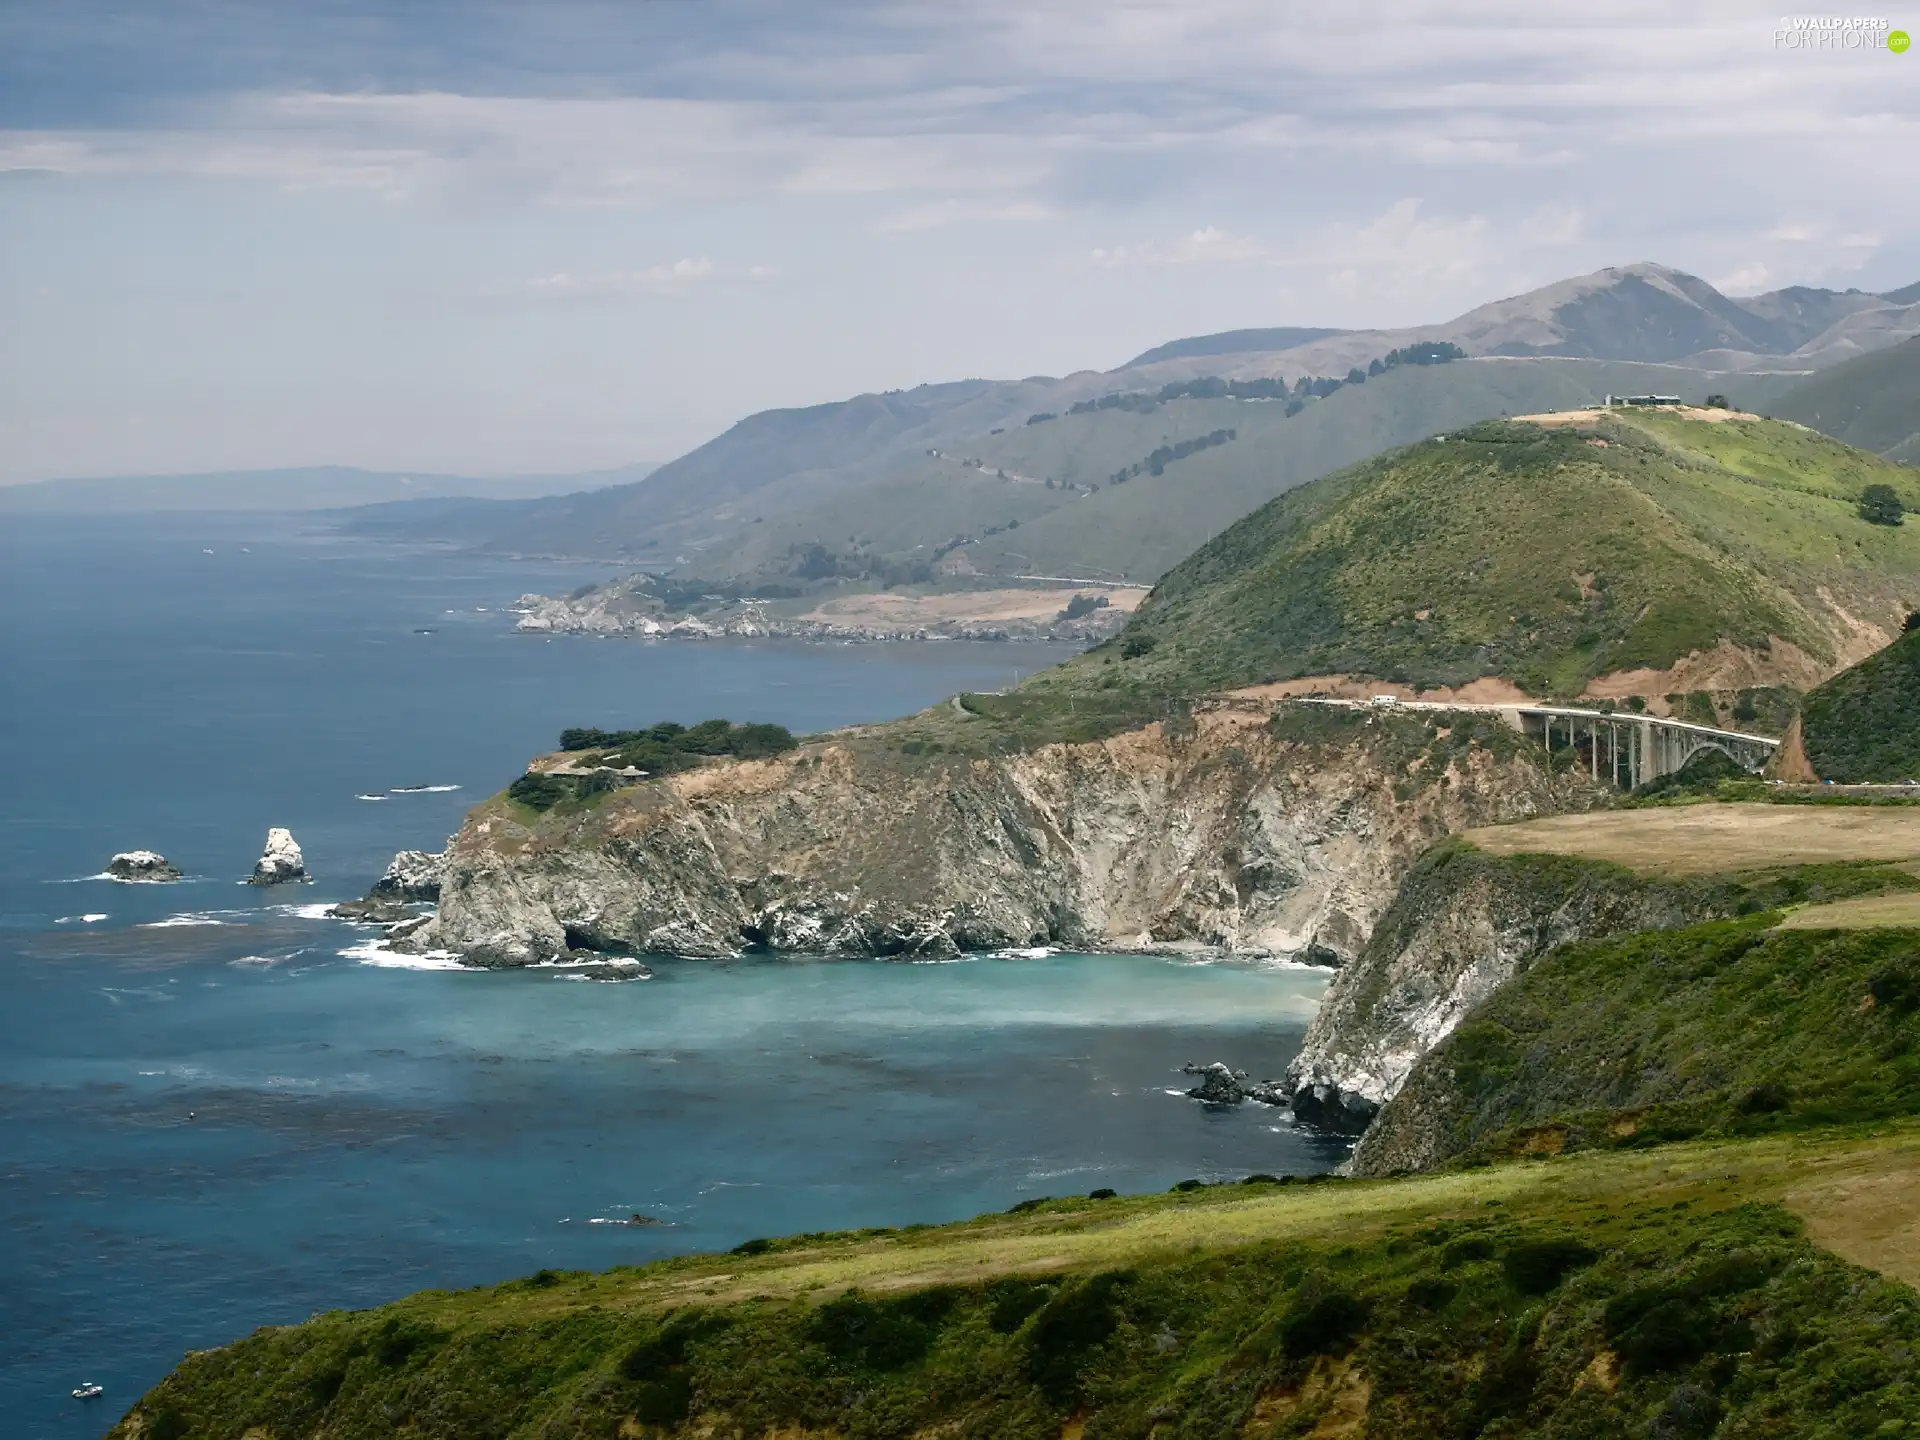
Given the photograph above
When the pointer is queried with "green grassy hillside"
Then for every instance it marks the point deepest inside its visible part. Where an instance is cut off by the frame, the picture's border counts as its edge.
(1864, 724)
(1728, 1028)
(1088, 526)
(1872, 402)
(1607, 1296)
(1546, 554)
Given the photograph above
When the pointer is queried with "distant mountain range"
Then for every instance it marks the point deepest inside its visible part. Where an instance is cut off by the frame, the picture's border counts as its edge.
(829, 474)
(879, 476)
(1872, 402)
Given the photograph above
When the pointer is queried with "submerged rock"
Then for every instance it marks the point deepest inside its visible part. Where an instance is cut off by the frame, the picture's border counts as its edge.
(280, 862)
(144, 865)
(373, 912)
(411, 875)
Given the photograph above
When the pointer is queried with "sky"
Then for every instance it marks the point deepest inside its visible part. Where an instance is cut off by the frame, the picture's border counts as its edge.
(494, 238)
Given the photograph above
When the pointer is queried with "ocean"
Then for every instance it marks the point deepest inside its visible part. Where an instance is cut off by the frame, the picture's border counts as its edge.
(217, 1111)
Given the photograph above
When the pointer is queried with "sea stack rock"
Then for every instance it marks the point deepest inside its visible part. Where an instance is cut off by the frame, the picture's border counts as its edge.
(1219, 1084)
(280, 862)
(144, 865)
(414, 875)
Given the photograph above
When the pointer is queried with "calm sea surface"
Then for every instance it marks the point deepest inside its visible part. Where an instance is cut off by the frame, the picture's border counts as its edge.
(212, 1119)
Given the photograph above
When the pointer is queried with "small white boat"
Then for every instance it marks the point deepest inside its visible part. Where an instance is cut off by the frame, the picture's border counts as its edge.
(89, 1391)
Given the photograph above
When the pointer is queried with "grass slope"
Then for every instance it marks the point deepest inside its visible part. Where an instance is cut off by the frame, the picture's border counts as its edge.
(1864, 724)
(1872, 402)
(1546, 554)
(1602, 1296)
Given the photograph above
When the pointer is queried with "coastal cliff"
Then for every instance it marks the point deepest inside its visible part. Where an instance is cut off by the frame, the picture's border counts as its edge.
(1460, 927)
(1282, 833)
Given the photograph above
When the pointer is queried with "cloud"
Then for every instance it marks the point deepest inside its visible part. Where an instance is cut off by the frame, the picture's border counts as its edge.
(1208, 245)
(1749, 279)
(654, 280)
(940, 214)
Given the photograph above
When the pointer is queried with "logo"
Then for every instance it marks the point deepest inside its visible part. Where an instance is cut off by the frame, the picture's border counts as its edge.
(1830, 33)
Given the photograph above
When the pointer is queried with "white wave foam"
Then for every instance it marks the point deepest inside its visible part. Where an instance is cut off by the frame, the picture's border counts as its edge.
(1029, 952)
(261, 960)
(175, 922)
(80, 919)
(305, 912)
(421, 789)
(377, 952)
(370, 797)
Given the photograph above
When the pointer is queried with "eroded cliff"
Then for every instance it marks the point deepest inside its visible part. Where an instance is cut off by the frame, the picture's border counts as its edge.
(1459, 928)
(1285, 833)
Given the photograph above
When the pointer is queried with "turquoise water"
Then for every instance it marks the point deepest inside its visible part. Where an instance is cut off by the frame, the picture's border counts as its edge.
(211, 1118)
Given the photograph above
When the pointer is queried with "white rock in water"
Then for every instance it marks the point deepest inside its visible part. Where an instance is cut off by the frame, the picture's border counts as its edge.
(148, 865)
(280, 862)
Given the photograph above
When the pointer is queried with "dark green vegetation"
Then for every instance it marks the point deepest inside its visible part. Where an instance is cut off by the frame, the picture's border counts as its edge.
(1864, 724)
(1872, 402)
(1880, 505)
(1156, 463)
(1613, 1303)
(1547, 554)
(1728, 1028)
(660, 750)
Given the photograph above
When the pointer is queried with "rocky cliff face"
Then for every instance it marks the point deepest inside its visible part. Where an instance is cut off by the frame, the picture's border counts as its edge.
(1228, 830)
(1462, 925)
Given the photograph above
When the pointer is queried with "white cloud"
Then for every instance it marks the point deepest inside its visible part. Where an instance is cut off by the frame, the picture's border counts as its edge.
(1748, 279)
(940, 214)
(654, 280)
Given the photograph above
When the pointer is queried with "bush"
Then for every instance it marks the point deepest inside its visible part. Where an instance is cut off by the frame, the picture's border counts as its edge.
(1540, 1266)
(1880, 505)
(1327, 1323)
(1067, 1327)
(880, 1334)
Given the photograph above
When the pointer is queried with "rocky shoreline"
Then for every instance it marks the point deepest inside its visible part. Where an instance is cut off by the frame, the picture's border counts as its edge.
(608, 614)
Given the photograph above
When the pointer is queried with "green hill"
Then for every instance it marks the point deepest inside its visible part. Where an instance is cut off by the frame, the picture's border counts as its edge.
(944, 507)
(1864, 724)
(1872, 402)
(1547, 554)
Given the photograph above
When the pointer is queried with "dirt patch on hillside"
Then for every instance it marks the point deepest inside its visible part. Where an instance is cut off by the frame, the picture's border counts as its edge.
(1490, 690)
(919, 612)
(1588, 416)
(1790, 762)
(1706, 839)
(1725, 667)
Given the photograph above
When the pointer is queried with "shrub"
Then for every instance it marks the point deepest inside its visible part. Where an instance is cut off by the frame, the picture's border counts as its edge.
(1880, 505)
(1078, 1320)
(880, 1334)
(1539, 1266)
(1327, 1323)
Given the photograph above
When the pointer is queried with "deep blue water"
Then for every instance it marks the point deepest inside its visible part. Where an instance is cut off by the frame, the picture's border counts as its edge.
(222, 1121)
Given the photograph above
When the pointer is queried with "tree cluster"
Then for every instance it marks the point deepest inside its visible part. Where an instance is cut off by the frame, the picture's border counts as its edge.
(1156, 463)
(1880, 505)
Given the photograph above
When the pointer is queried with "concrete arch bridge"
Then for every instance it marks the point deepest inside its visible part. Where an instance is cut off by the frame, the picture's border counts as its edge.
(1628, 749)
